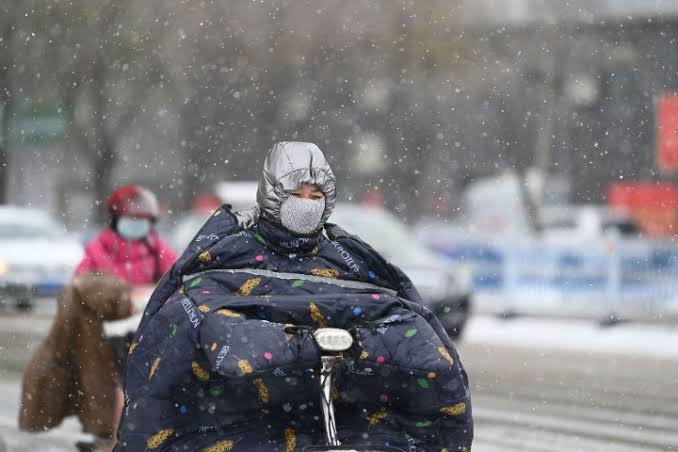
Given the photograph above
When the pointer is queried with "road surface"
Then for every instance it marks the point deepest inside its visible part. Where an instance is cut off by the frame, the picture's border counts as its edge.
(529, 393)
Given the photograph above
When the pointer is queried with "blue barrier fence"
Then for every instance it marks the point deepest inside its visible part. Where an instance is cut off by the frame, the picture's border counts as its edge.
(613, 275)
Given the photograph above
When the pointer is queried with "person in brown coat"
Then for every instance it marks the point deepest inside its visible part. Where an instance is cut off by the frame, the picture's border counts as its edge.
(73, 371)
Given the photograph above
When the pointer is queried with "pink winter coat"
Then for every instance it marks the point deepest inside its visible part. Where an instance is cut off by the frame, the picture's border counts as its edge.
(137, 262)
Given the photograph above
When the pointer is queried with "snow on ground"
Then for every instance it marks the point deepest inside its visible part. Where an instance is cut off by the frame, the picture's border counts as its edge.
(659, 341)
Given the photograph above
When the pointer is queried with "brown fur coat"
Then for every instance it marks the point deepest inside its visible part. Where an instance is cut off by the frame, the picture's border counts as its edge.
(73, 371)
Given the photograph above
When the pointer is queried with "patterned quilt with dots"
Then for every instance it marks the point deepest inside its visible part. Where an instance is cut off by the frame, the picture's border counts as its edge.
(222, 360)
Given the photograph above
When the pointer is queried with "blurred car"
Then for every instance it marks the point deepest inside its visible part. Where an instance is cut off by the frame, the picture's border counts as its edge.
(37, 255)
(586, 222)
(444, 286)
(184, 229)
(239, 195)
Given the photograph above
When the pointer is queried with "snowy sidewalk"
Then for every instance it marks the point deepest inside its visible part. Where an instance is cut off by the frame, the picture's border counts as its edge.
(658, 341)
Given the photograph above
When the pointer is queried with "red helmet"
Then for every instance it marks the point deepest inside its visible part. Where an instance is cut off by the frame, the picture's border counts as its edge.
(133, 200)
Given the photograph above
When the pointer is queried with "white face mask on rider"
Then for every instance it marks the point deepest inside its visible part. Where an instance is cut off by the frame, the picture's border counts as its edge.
(133, 228)
(301, 215)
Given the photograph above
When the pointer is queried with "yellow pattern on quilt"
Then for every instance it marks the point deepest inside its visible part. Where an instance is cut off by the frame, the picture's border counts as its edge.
(205, 257)
(317, 316)
(245, 366)
(248, 286)
(200, 373)
(263, 390)
(156, 440)
(377, 417)
(454, 410)
(443, 351)
(154, 367)
(290, 440)
(221, 446)
(325, 272)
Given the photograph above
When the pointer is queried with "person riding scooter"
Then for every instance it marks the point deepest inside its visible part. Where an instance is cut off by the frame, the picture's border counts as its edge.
(224, 357)
(131, 249)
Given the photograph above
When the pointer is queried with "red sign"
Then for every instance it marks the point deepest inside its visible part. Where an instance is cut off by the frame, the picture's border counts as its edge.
(666, 114)
(652, 205)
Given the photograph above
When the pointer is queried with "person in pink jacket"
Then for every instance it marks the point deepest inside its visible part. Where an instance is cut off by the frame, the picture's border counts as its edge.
(131, 249)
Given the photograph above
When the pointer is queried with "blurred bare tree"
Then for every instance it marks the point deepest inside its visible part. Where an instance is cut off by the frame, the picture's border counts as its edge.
(236, 76)
(107, 71)
(87, 58)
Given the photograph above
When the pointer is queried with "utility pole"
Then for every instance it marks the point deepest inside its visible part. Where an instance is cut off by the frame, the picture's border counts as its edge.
(544, 127)
(544, 138)
(3, 151)
(5, 32)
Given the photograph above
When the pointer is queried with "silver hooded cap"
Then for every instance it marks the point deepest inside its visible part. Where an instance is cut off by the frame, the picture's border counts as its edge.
(289, 165)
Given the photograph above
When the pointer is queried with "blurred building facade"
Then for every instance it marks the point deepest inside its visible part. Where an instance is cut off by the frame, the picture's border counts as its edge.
(594, 69)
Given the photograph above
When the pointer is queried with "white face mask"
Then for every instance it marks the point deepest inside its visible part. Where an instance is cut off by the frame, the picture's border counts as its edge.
(133, 228)
(300, 215)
